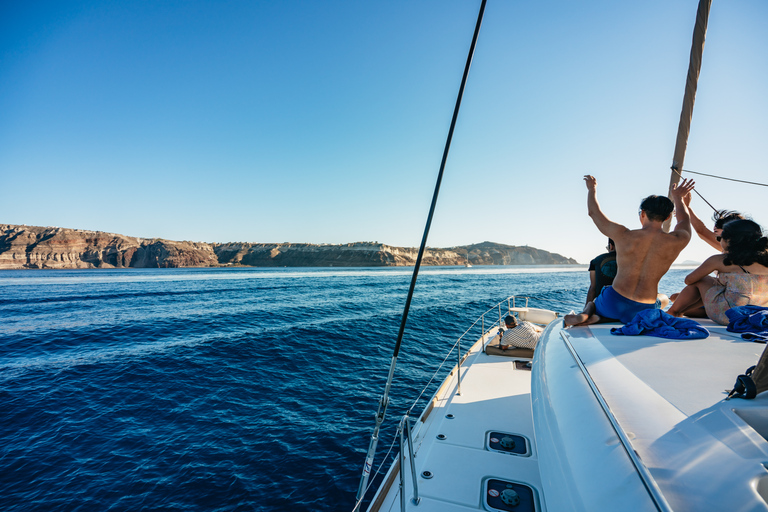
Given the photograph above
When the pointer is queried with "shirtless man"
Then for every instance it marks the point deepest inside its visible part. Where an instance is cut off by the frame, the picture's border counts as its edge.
(643, 255)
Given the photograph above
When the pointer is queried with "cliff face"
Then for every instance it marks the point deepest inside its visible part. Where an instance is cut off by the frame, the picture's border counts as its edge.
(39, 247)
(364, 254)
(490, 253)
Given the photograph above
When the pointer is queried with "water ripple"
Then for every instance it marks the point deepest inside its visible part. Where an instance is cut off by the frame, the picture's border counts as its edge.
(222, 389)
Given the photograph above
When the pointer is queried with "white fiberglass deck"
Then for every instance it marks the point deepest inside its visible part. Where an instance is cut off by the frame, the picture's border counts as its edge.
(621, 423)
(495, 397)
(667, 395)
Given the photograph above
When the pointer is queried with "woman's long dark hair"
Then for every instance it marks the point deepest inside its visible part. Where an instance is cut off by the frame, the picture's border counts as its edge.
(723, 217)
(746, 243)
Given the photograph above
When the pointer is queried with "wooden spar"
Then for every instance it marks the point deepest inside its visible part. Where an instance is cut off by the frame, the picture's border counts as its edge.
(694, 67)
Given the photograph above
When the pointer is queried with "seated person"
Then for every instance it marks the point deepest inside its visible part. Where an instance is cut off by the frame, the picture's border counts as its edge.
(602, 270)
(742, 275)
(643, 255)
(721, 218)
(519, 334)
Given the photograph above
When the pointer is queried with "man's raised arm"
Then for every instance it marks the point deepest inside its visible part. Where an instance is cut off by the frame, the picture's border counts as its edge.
(678, 192)
(698, 225)
(604, 224)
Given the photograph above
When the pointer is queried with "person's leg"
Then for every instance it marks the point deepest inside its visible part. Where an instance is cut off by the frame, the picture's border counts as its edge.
(690, 298)
(584, 317)
(685, 299)
(696, 311)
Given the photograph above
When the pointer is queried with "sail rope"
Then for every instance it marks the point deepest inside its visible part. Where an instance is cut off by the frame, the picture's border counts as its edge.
(697, 192)
(384, 400)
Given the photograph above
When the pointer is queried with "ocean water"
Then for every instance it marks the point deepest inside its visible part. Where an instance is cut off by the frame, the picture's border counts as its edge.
(225, 389)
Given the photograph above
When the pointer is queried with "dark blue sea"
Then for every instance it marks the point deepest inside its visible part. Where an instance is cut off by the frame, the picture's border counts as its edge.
(225, 389)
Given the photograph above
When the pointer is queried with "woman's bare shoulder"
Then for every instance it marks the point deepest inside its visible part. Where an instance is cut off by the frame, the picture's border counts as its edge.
(756, 269)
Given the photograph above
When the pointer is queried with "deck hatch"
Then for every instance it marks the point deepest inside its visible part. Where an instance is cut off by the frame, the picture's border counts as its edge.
(504, 442)
(497, 490)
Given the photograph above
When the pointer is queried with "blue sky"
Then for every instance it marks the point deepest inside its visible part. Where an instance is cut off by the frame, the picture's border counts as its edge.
(324, 121)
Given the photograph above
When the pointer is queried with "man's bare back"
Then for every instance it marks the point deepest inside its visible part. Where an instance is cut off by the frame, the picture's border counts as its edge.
(643, 255)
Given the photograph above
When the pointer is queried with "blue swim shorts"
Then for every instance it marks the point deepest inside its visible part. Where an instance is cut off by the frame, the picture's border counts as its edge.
(611, 304)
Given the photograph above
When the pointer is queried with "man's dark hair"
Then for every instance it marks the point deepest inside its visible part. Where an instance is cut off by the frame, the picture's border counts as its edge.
(657, 208)
(511, 321)
(722, 217)
(611, 244)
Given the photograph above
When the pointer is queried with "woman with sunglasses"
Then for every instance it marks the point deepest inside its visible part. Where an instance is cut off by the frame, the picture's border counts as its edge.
(742, 278)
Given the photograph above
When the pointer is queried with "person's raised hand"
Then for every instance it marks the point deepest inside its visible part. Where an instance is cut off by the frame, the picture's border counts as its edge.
(687, 199)
(682, 189)
(591, 182)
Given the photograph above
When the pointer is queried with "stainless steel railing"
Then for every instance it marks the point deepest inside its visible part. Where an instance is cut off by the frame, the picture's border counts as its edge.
(404, 432)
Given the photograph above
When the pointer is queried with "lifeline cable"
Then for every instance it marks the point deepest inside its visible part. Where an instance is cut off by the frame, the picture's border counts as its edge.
(728, 179)
(384, 400)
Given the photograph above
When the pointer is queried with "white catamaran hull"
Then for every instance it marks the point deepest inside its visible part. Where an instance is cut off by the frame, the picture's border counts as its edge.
(607, 423)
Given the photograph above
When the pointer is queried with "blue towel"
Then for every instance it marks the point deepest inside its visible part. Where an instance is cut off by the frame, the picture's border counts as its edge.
(757, 337)
(747, 319)
(655, 322)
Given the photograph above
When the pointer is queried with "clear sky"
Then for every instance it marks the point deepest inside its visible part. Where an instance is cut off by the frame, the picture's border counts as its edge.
(324, 121)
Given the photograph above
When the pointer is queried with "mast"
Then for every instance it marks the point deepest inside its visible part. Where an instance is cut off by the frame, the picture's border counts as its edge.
(694, 67)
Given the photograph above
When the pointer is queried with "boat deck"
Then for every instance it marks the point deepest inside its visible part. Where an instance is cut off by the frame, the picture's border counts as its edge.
(692, 450)
(667, 396)
(689, 374)
(495, 398)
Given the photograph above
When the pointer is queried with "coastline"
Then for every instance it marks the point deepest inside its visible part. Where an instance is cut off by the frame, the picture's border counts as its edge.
(34, 247)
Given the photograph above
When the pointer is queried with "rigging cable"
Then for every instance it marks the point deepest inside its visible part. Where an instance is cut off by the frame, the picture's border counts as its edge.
(724, 178)
(714, 176)
(378, 469)
(384, 400)
(697, 192)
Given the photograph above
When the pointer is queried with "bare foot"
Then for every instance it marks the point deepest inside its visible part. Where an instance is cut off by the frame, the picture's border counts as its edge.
(592, 320)
(575, 319)
(664, 300)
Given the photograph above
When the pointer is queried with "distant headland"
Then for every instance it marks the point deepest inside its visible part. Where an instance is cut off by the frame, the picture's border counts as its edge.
(34, 247)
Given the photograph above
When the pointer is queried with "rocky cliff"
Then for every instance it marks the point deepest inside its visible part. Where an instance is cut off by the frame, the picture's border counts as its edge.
(368, 254)
(40, 247)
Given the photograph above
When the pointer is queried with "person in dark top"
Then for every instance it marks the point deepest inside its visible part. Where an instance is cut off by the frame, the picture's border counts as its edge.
(602, 270)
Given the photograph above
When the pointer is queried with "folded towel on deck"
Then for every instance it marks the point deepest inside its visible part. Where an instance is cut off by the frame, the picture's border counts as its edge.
(747, 319)
(655, 322)
(757, 337)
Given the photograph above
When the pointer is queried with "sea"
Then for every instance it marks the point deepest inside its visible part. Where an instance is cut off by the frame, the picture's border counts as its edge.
(229, 389)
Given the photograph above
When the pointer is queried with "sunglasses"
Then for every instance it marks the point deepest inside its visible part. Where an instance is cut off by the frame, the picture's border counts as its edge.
(718, 238)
